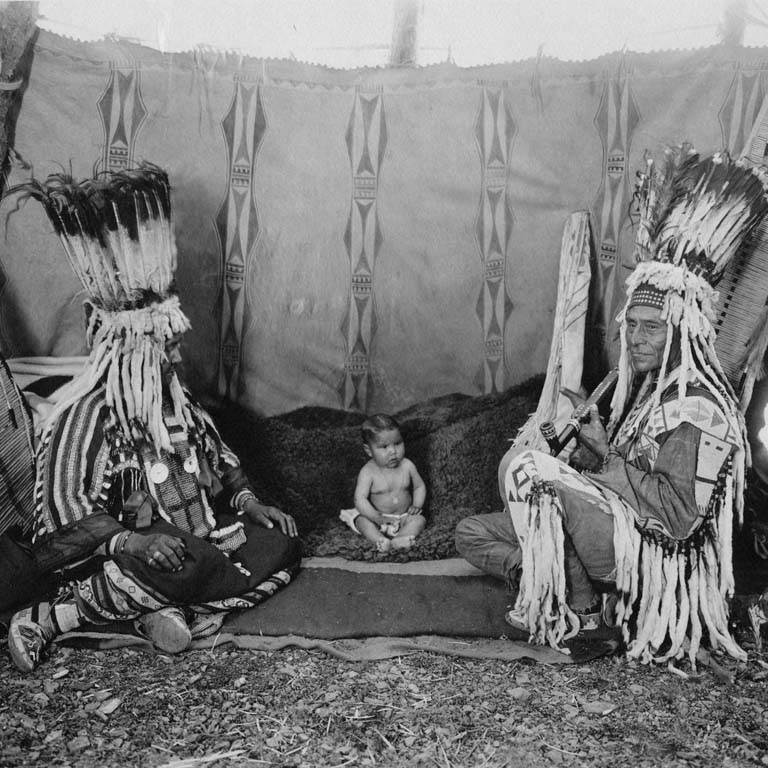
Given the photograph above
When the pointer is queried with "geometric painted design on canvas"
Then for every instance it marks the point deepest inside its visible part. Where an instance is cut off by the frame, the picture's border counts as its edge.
(366, 140)
(740, 110)
(237, 227)
(122, 113)
(495, 132)
(616, 119)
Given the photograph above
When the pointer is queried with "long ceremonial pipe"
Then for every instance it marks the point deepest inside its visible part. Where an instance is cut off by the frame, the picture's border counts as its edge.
(580, 414)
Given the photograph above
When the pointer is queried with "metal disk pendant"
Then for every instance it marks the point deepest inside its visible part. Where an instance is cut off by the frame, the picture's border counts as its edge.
(191, 465)
(158, 473)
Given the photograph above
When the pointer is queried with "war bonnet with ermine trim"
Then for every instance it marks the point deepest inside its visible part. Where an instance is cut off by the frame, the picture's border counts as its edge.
(692, 215)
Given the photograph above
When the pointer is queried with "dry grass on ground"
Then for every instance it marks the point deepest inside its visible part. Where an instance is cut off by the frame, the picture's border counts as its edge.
(296, 708)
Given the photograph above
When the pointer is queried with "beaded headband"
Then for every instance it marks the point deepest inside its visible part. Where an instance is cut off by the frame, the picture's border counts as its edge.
(647, 295)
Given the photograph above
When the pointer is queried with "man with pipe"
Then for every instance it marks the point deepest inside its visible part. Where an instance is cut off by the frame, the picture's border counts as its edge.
(652, 525)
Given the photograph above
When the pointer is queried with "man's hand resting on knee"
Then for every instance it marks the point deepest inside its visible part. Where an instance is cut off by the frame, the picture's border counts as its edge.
(261, 514)
(159, 550)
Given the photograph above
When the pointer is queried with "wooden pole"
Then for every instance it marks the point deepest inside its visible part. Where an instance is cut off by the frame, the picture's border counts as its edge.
(405, 27)
(18, 25)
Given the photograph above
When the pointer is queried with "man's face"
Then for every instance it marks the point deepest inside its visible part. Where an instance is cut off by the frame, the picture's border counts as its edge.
(172, 355)
(646, 337)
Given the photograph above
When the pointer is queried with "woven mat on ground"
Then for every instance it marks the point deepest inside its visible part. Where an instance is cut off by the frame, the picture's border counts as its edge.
(359, 611)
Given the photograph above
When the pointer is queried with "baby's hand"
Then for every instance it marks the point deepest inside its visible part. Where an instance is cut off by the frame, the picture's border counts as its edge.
(414, 510)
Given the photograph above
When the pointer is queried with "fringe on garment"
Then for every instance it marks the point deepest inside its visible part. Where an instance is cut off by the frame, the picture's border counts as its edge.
(542, 597)
(689, 307)
(128, 349)
(683, 589)
(670, 592)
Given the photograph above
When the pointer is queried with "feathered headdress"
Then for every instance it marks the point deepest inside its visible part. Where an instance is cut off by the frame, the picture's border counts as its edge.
(671, 584)
(697, 212)
(116, 230)
(693, 214)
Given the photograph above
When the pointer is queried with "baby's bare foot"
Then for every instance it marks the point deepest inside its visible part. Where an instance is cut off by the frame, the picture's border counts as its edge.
(403, 542)
(383, 545)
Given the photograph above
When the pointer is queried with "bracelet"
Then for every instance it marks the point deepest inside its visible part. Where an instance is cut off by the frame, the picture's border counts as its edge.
(124, 542)
(612, 451)
(241, 498)
(117, 543)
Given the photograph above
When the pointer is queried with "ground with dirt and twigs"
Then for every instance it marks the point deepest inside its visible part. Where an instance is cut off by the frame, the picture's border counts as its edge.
(223, 706)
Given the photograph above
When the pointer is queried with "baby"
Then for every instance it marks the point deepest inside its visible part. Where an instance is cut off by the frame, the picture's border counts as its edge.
(390, 493)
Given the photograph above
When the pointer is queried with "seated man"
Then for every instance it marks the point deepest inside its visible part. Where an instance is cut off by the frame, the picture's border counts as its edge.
(654, 523)
(141, 508)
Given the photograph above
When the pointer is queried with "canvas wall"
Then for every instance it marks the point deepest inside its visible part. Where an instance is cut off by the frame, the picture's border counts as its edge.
(362, 239)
